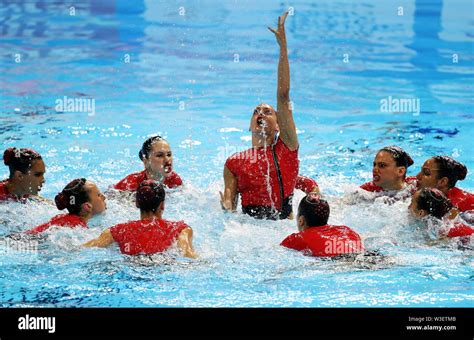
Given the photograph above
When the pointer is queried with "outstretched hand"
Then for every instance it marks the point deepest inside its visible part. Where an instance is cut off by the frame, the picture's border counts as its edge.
(280, 31)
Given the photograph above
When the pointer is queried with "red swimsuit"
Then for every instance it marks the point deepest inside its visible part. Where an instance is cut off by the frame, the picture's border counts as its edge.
(460, 230)
(5, 195)
(63, 220)
(370, 186)
(461, 199)
(132, 181)
(146, 237)
(326, 240)
(259, 172)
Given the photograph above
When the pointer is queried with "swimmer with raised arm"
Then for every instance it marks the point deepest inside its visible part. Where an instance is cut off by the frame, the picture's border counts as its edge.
(151, 234)
(266, 180)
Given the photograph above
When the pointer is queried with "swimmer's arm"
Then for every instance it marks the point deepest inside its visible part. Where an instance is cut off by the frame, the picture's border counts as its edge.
(284, 110)
(41, 199)
(307, 185)
(104, 240)
(229, 197)
(185, 243)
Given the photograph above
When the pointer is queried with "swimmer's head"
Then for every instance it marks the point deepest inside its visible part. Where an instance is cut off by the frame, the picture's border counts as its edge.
(390, 167)
(264, 121)
(27, 170)
(150, 196)
(312, 212)
(82, 198)
(441, 172)
(429, 201)
(157, 157)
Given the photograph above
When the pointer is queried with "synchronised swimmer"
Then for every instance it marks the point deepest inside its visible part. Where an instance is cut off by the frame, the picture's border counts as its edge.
(264, 177)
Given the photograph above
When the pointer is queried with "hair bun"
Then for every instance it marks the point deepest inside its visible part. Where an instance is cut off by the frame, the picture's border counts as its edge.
(61, 201)
(8, 156)
(408, 160)
(461, 171)
(145, 193)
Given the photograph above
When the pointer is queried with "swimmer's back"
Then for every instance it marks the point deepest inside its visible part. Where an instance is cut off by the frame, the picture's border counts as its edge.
(63, 220)
(326, 240)
(146, 237)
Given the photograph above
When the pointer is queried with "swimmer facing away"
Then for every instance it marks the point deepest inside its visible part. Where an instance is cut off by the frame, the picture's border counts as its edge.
(26, 178)
(443, 172)
(151, 234)
(157, 159)
(82, 199)
(316, 237)
(266, 175)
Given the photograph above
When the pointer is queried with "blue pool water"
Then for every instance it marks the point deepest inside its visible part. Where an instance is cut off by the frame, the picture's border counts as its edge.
(195, 78)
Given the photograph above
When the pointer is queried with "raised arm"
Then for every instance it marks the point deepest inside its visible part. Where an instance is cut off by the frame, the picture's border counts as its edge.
(284, 110)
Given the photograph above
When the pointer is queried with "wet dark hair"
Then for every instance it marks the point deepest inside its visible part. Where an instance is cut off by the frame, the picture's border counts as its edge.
(314, 210)
(434, 202)
(146, 147)
(399, 155)
(150, 195)
(450, 168)
(19, 159)
(73, 196)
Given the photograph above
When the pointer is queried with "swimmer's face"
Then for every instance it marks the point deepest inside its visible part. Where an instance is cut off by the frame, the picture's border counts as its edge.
(385, 172)
(413, 207)
(96, 198)
(264, 120)
(159, 162)
(33, 180)
(428, 176)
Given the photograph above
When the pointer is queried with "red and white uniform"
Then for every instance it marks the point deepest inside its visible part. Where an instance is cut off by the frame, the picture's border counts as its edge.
(327, 240)
(132, 181)
(63, 220)
(146, 237)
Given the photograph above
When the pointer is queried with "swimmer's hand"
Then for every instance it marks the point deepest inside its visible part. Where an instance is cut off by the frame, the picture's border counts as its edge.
(226, 201)
(453, 213)
(280, 31)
